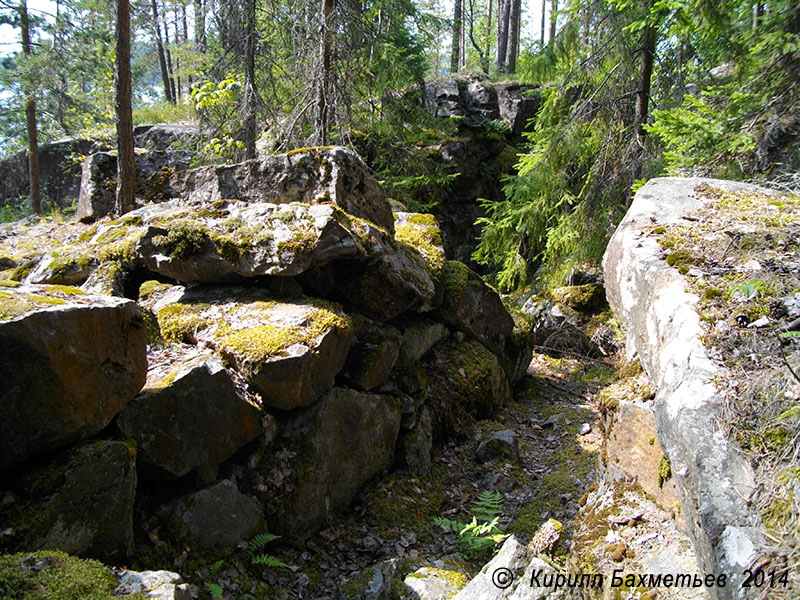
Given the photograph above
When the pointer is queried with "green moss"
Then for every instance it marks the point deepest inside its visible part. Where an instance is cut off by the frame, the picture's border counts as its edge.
(184, 239)
(660, 230)
(427, 241)
(180, 322)
(304, 150)
(664, 471)
(424, 219)
(227, 247)
(301, 242)
(680, 257)
(9, 283)
(408, 504)
(88, 234)
(46, 575)
(67, 290)
(257, 344)
(285, 215)
(456, 277)
(150, 287)
(155, 186)
(124, 251)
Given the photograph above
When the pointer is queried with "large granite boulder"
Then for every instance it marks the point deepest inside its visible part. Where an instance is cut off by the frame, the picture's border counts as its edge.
(662, 325)
(216, 516)
(475, 308)
(343, 441)
(189, 415)
(69, 362)
(289, 351)
(517, 573)
(167, 136)
(80, 501)
(309, 176)
(59, 171)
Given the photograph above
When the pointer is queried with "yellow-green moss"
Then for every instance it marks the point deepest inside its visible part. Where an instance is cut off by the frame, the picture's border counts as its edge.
(301, 242)
(425, 240)
(152, 286)
(257, 344)
(9, 283)
(179, 322)
(680, 257)
(664, 471)
(456, 278)
(184, 239)
(47, 574)
(227, 247)
(308, 149)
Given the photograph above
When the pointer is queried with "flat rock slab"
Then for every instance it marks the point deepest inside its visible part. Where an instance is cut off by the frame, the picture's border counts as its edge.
(332, 174)
(69, 362)
(662, 325)
(289, 351)
(189, 415)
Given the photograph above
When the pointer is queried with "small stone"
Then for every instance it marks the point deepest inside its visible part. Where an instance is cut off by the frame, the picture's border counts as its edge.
(585, 429)
(552, 420)
(759, 323)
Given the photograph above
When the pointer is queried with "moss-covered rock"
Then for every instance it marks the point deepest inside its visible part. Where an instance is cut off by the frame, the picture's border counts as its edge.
(69, 362)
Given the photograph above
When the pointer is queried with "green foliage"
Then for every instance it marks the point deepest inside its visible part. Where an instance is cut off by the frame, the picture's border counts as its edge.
(267, 560)
(483, 532)
(217, 105)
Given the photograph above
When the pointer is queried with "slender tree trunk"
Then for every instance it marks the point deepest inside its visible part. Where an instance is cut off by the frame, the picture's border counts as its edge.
(249, 81)
(200, 26)
(170, 70)
(126, 167)
(503, 14)
(323, 102)
(553, 18)
(488, 53)
(544, 26)
(162, 61)
(757, 13)
(178, 91)
(455, 54)
(482, 57)
(645, 76)
(513, 36)
(30, 118)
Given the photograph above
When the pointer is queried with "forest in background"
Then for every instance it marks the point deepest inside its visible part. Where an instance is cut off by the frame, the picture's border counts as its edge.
(631, 89)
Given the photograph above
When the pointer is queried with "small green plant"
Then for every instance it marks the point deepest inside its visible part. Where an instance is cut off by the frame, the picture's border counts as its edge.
(483, 532)
(256, 544)
(214, 589)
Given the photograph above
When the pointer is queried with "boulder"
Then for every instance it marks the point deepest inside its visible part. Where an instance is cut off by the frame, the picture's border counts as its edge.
(80, 502)
(69, 362)
(517, 104)
(163, 585)
(189, 415)
(473, 307)
(374, 583)
(465, 382)
(557, 329)
(586, 298)
(310, 176)
(211, 245)
(419, 336)
(662, 325)
(415, 445)
(216, 516)
(342, 441)
(167, 136)
(372, 356)
(59, 172)
(98, 186)
(288, 351)
(498, 445)
(434, 583)
(510, 574)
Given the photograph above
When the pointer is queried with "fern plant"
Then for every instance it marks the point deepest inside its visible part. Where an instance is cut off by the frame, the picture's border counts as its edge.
(260, 558)
(482, 532)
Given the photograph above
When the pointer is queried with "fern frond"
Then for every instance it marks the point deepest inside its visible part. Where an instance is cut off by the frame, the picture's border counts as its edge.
(261, 540)
(268, 561)
(214, 590)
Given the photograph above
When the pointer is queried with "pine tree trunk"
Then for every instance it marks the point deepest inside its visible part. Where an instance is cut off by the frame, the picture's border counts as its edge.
(200, 26)
(126, 167)
(249, 81)
(455, 54)
(323, 107)
(170, 70)
(503, 13)
(553, 17)
(162, 61)
(544, 26)
(645, 76)
(30, 118)
(513, 36)
(488, 55)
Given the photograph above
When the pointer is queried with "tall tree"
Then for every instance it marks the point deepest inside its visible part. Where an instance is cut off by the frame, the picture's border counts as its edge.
(200, 25)
(553, 18)
(30, 116)
(162, 61)
(514, 16)
(455, 54)
(249, 80)
(503, 18)
(648, 51)
(126, 167)
(325, 79)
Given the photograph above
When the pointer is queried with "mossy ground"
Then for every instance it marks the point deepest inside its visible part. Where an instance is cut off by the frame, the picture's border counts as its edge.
(46, 575)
